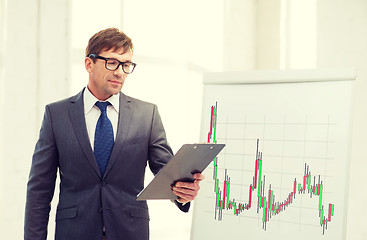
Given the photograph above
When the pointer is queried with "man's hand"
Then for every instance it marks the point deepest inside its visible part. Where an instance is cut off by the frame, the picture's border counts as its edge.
(187, 191)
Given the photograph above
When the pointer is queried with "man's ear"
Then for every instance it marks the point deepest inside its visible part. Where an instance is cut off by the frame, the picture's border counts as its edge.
(88, 63)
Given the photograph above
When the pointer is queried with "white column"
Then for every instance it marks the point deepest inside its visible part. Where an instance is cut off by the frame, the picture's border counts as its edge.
(251, 35)
(239, 51)
(268, 34)
(54, 51)
(35, 71)
(18, 111)
(2, 103)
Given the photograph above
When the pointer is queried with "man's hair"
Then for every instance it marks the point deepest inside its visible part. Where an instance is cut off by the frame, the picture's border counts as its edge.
(110, 38)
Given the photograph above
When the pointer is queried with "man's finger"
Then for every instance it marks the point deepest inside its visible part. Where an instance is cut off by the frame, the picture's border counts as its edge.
(185, 191)
(185, 197)
(199, 176)
(194, 185)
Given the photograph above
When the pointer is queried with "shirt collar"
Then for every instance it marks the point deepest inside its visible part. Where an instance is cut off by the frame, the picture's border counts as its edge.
(90, 100)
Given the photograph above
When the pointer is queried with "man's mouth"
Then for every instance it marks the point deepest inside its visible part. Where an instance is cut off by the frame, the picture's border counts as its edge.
(115, 81)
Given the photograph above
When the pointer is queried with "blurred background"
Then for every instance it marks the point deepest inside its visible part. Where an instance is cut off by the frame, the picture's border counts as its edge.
(42, 45)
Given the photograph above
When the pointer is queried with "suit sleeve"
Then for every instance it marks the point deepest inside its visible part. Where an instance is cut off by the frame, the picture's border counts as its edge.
(41, 182)
(159, 150)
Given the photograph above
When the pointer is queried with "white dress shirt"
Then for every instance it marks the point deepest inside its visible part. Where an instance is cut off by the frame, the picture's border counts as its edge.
(92, 113)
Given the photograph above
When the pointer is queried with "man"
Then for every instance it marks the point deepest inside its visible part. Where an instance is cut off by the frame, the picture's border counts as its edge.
(100, 141)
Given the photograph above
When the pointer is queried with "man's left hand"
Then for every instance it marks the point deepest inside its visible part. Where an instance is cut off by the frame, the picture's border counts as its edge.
(187, 191)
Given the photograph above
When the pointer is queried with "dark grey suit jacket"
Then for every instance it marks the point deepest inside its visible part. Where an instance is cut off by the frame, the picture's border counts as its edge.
(88, 201)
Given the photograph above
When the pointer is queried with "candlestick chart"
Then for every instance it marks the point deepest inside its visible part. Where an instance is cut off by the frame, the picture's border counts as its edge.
(284, 171)
(266, 203)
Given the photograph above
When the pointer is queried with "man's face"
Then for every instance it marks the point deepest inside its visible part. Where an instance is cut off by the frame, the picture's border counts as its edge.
(104, 83)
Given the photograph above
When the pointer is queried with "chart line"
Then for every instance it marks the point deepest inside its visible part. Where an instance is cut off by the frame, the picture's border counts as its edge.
(268, 206)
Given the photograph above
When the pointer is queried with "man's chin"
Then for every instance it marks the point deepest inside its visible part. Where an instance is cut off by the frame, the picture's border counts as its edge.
(115, 90)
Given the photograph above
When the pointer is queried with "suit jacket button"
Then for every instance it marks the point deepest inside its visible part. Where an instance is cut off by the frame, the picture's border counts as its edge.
(100, 210)
(104, 183)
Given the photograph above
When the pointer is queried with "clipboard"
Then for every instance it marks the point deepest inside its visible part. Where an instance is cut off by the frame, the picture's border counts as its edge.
(189, 159)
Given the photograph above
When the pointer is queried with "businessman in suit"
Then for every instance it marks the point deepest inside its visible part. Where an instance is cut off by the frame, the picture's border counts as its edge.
(100, 141)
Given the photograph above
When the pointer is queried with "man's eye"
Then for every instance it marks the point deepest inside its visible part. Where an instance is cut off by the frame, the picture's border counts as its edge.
(112, 63)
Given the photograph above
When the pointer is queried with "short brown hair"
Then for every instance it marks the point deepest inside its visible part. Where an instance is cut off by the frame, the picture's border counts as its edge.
(110, 38)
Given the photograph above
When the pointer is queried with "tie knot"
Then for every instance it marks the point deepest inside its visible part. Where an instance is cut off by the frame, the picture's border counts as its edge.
(102, 105)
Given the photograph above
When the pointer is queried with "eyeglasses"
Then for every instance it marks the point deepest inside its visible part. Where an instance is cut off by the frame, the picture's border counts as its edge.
(113, 64)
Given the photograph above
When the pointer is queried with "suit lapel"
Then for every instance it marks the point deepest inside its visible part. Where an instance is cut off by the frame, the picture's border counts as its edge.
(76, 111)
(125, 116)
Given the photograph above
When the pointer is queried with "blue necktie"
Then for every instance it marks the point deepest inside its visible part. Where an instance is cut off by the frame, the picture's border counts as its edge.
(103, 138)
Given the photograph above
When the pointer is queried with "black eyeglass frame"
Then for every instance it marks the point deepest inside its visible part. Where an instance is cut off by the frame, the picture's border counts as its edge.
(120, 63)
